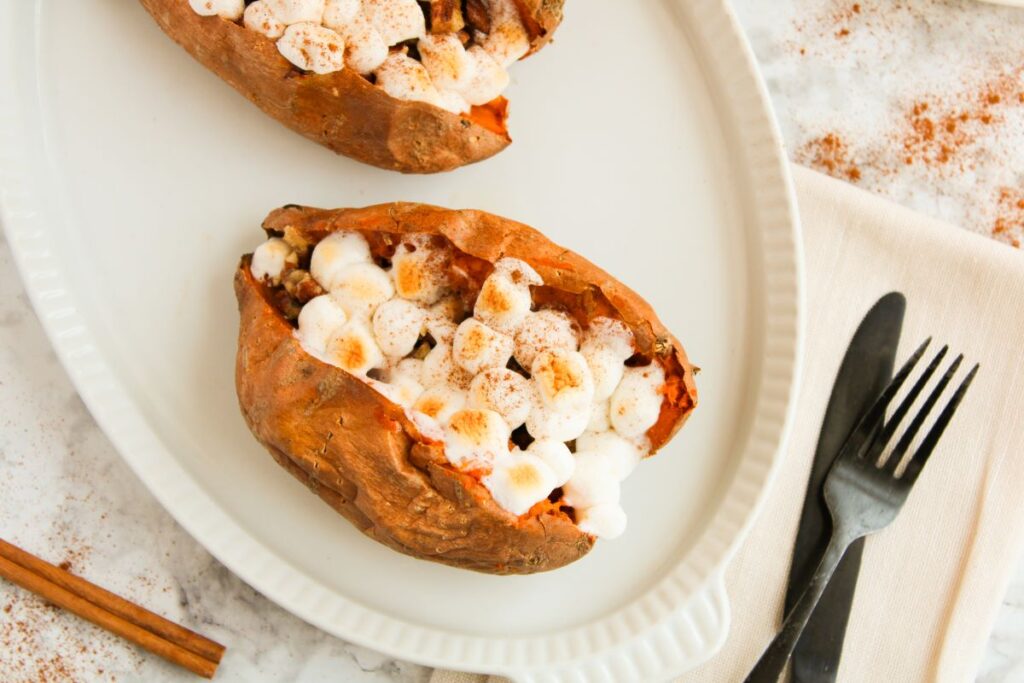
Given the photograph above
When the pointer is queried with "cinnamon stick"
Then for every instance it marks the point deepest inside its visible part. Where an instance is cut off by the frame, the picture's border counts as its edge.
(87, 600)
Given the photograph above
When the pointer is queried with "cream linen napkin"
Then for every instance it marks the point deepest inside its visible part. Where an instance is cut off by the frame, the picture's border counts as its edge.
(931, 584)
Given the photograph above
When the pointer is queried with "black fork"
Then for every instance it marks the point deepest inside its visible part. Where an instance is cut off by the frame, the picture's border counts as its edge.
(864, 494)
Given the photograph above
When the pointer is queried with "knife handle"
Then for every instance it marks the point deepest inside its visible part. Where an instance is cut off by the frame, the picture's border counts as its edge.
(773, 661)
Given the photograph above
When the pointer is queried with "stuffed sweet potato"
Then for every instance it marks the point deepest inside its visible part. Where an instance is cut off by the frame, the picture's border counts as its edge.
(456, 385)
(400, 84)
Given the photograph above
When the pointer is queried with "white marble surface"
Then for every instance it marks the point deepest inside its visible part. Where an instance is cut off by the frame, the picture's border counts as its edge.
(845, 82)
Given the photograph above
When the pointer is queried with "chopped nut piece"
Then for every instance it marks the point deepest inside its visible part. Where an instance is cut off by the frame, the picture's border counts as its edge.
(446, 16)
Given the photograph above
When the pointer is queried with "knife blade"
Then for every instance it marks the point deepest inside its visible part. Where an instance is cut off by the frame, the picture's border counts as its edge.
(866, 369)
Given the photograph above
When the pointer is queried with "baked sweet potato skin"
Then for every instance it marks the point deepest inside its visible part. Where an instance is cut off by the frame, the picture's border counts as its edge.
(541, 18)
(341, 110)
(361, 454)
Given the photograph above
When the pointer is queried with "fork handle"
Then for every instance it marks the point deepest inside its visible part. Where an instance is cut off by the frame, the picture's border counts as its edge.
(773, 661)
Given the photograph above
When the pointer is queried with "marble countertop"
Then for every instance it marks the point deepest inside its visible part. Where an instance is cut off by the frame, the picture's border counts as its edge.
(921, 101)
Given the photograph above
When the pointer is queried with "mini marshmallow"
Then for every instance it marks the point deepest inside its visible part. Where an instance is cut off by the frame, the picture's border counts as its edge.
(543, 330)
(259, 18)
(396, 20)
(312, 47)
(403, 78)
(334, 253)
(555, 455)
(409, 367)
(354, 350)
(544, 423)
(505, 299)
(361, 288)
(270, 258)
(622, 455)
(563, 380)
(446, 60)
(508, 40)
(452, 101)
(440, 322)
(605, 367)
(320, 319)
(405, 390)
(338, 14)
(420, 270)
(439, 369)
(505, 392)
(489, 78)
(591, 484)
(365, 49)
(519, 482)
(636, 403)
(476, 438)
(613, 335)
(227, 9)
(599, 419)
(296, 11)
(607, 520)
(440, 402)
(397, 325)
(477, 347)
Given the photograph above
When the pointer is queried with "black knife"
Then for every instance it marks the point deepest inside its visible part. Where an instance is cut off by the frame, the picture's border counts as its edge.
(866, 369)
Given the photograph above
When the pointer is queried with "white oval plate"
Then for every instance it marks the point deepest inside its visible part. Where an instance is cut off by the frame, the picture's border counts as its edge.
(132, 180)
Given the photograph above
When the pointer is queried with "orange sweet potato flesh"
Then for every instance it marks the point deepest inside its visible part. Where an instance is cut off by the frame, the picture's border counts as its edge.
(363, 456)
(342, 110)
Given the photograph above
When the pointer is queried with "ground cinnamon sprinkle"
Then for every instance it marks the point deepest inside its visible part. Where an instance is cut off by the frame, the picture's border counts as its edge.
(1009, 223)
(830, 154)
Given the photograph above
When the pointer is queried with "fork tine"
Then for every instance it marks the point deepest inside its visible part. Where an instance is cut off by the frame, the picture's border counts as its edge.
(901, 412)
(915, 426)
(868, 425)
(917, 463)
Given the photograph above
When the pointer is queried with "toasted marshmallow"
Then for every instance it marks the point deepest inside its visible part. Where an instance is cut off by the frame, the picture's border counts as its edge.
(296, 11)
(544, 423)
(519, 482)
(505, 300)
(270, 258)
(397, 325)
(605, 368)
(228, 9)
(396, 20)
(319, 320)
(545, 330)
(336, 252)
(636, 403)
(259, 18)
(312, 47)
(354, 350)
(400, 388)
(489, 78)
(476, 438)
(477, 347)
(591, 484)
(607, 520)
(599, 418)
(622, 455)
(440, 402)
(338, 14)
(365, 49)
(420, 270)
(452, 101)
(505, 392)
(508, 40)
(563, 380)
(361, 288)
(409, 367)
(611, 335)
(439, 369)
(446, 60)
(555, 455)
(404, 78)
